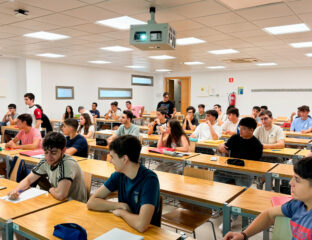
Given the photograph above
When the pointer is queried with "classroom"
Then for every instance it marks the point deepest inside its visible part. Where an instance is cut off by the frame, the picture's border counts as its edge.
(176, 119)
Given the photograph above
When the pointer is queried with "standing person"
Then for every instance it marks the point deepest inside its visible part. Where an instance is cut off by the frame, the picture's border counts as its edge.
(34, 111)
(171, 110)
(158, 126)
(302, 124)
(95, 113)
(82, 110)
(45, 120)
(86, 128)
(69, 113)
(230, 126)
(200, 115)
(136, 110)
(221, 115)
(190, 122)
(11, 116)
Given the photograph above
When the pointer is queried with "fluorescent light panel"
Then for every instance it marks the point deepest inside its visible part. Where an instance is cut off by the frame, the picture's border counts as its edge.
(301, 44)
(223, 51)
(46, 36)
(163, 70)
(193, 63)
(161, 57)
(121, 23)
(309, 54)
(99, 62)
(50, 55)
(293, 28)
(266, 64)
(116, 49)
(134, 66)
(215, 67)
(189, 41)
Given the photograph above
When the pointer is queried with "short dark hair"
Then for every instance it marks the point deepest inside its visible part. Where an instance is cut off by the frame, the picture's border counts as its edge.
(72, 122)
(217, 105)
(95, 103)
(129, 114)
(31, 96)
(54, 140)
(26, 118)
(248, 122)
(162, 110)
(212, 113)
(303, 169)
(191, 108)
(201, 105)
(266, 112)
(12, 105)
(80, 108)
(256, 108)
(128, 102)
(127, 145)
(234, 111)
(264, 107)
(115, 103)
(165, 94)
(304, 108)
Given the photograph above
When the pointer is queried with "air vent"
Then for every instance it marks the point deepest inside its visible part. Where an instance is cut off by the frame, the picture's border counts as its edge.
(283, 90)
(242, 60)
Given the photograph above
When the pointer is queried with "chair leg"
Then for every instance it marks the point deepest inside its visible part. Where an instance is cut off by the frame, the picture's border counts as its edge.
(194, 234)
(213, 230)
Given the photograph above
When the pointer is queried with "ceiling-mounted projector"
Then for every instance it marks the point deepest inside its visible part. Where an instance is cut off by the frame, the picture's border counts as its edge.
(153, 36)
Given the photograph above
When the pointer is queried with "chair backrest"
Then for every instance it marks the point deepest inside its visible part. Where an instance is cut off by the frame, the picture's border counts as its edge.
(192, 146)
(13, 175)
(282, 229)
(88, 181)
(198, 173)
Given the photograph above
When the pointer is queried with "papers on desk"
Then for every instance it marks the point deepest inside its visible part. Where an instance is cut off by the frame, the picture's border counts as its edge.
(40, 156)
(279, 201)
(28, 194)
(118, 234)
(107, 131)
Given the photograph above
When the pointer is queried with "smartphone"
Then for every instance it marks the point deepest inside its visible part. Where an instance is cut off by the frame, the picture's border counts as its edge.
(2, 187)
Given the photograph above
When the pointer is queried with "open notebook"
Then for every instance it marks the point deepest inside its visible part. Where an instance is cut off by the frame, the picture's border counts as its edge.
(118, 234)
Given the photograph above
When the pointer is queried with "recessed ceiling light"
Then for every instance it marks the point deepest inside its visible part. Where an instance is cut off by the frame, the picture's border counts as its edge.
(294, 28)
(116, 49)
(266, 64)
(50, 55)
(163, 70)
(189, 41)
(193, 63)
(46, 36)
(121, 23)
(301, 44)
(161, 57)
(134, 66)
(215, 67)
(99, 62)
(223, 51)
(309, 54)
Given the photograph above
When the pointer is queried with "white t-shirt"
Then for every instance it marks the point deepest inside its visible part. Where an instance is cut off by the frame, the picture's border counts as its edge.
(91, 129)
(117, 113)
(222, 117)
(269, 137)
(230, 126)
(36, 114)
(203, 131)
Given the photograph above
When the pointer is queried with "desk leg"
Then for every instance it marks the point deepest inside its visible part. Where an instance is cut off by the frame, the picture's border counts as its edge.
(9, 230)
(266, 234)
(268, 181)
(7, 166)
(277, 185)
(309, 146)
(244, 222)
(226, 218)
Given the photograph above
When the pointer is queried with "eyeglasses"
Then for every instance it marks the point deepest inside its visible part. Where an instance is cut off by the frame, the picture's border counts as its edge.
(263, 119)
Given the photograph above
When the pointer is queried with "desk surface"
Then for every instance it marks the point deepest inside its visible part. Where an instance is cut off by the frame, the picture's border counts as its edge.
(281, 152)
(298, 134)
(41, 224)
(254, 201)
(303, 152)
(13, 210)
(98, 168)
(4, 152)
(297, 140)
(211, 143)
(10, 127)
(284, 170)
(250, 166)
(145, 153)
(107, 120)
(36, 160)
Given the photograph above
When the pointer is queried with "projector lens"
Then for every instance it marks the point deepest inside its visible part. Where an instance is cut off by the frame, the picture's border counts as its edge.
(140, 36)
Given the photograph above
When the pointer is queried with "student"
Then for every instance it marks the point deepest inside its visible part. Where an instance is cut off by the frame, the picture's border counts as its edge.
(230, 126)
(95, 113)
(158, 126)
(302, 124)
(221, 115)
(262, 108)
(190, 122)
(10, 117)
(255, 113)
(86, 128)
(138, 187)
(34, 111)
(114, 113)
(171, 109)
(126, 127)
(270, 135)
(64, 173)
(29, 136)
(69, 113)
(45, 120)
(82, 110)
(136, 110)
(298, 209)
(200, 115)
(76, 144)
(209, 130)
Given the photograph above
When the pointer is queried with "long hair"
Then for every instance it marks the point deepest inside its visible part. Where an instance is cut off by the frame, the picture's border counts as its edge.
(176, 132)
(86, 125)
(71, 114)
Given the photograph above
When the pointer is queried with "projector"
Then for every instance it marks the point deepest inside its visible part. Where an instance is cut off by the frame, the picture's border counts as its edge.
(153, 36)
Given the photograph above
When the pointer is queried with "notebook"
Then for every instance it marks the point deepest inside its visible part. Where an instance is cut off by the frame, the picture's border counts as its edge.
(27, 194)
(161, 150)
(32, 153)
(278, 201)
(118, 234)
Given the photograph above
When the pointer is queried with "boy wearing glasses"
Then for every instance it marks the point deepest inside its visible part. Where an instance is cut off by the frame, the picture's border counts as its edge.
(190, 122)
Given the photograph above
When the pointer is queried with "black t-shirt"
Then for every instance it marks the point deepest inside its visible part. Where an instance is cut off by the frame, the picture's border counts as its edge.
(169, 105)
(80, 144)
(46, 123)
(239, 147)
(194, 121)
(156, 129)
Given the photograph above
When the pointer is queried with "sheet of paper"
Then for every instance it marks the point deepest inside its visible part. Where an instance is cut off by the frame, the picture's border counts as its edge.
(40, 156)
(28, 194)
(117, 234)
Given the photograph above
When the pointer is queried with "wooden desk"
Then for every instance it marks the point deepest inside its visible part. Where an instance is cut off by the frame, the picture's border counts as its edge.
(35, 161)
(303, 153)
(103, 120)
(298, 134)
(284, 152)
(143, 129)
(5, 153)
(210, 144)
(95, 223)
(298, 142)
(98, 169)
(150, 138)
(10, 127)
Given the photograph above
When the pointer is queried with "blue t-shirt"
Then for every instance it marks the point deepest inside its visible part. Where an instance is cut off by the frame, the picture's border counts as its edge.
(95, 113)
(301, 219)
(298, 124)
(143, 189)
(79, 143)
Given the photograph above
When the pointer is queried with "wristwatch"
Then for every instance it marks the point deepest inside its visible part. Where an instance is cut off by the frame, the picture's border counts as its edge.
(245, 236)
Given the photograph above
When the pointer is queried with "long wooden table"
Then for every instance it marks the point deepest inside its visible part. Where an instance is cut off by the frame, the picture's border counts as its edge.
(298, 134)
(105, 121)
(281, 172)
(284, 152)
(10, 127)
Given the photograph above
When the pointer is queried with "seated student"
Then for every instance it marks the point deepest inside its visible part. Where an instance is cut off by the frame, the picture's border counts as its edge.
(221, 115)
(138, 187)
(10, 117)
(263, 108)
(255, 113)
(45, 120)
(82, 110)
(86, 128)
(69, 113)
(200, 115)
(126, 127)
(302, 124)
(64, 173)
(114, 113)
(95, 113)
(76, 144)
(29, 136)
(136, 110)
(230, 126)
(158, 126)
(298, 209)
(190, 122)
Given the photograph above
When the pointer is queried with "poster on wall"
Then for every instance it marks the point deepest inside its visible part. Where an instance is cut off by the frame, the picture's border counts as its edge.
(203, 92)
(240, 90)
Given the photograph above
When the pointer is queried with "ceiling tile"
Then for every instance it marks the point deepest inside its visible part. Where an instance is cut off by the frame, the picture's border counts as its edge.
(301, 6)
(185, 25)
(93, 28)
(161, 16)
(13, 30)
(278, 21)
(171, 3)
(253, 33)
(220, 19)
(54, 5)
(6, 19)
(126, 7)
(34, 25)
(61, 20)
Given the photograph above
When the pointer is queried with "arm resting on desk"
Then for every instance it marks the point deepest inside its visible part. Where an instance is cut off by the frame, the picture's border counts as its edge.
(280, 144)
(71, 151)
(62, 189)
(33, 146)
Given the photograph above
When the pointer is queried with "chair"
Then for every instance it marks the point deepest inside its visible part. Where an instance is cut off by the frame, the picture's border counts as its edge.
(88, 182)
(282, 229)
(14, 171)
(190, 217)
